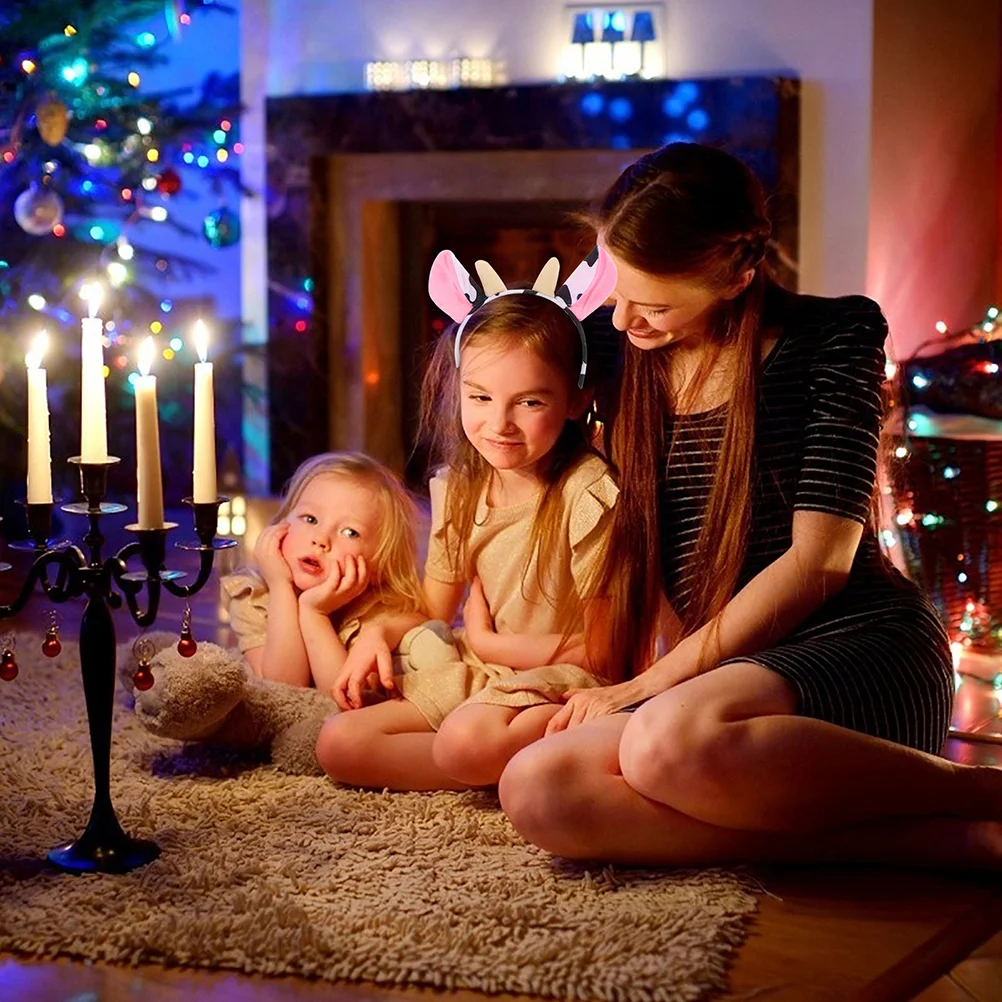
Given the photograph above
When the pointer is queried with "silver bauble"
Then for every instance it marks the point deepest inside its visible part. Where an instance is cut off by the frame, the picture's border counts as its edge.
(37, 210)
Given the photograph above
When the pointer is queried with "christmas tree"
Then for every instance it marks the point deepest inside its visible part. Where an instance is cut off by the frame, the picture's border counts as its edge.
(89, 165)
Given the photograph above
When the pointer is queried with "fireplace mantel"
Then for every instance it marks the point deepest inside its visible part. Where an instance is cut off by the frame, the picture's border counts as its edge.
(339, 164)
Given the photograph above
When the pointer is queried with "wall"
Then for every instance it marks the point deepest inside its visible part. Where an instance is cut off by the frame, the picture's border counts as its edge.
(934, 195)
(826, 44)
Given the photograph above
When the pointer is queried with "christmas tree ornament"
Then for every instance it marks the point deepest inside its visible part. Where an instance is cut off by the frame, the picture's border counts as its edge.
(8, 666)
(37, 210)
(143, 651)
(186, 645)
(222, 227)
(53, 119)
(51, 645)
(169, 182)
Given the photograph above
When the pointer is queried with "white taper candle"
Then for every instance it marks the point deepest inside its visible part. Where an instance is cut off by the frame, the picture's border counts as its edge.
(93, 420)
(149, 486)
(204, 486)
(39, 455)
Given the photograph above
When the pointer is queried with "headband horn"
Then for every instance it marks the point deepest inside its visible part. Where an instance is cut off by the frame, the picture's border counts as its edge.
(587, 288)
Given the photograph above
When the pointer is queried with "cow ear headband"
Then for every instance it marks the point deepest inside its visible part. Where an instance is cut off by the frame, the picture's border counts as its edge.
(589, 286)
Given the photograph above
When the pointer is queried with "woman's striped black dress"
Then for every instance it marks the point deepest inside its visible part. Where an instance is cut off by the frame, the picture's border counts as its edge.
(875, 657)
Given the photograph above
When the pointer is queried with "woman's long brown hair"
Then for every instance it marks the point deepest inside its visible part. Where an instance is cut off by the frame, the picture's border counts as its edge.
(693, 212)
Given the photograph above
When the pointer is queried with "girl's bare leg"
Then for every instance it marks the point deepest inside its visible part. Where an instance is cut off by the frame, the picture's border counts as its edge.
(726, 748)
(477, 741)
(567, 795)
(383, 746)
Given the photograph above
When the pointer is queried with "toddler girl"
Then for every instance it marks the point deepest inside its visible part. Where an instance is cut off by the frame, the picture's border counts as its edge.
(339, 556)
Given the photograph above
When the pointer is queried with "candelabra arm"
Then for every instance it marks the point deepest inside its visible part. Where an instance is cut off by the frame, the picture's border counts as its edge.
(67, 584)
(204, 573)
(131, 586)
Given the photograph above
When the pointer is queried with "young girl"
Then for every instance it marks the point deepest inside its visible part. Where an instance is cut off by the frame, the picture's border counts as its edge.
(338, 558)
(520, 514)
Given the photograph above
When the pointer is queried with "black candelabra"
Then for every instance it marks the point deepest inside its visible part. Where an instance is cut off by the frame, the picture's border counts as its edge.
(66, 571)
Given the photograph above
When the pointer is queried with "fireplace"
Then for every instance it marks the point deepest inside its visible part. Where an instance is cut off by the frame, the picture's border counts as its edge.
(364, 189)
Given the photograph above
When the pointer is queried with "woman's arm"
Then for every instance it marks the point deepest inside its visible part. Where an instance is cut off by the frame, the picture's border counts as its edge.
(768, 608)
(773, 604)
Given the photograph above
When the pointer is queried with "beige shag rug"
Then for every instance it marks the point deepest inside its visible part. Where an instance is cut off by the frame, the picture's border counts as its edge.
(263, 872)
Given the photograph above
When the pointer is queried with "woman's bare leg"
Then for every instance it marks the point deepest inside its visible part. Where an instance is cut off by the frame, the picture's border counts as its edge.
(383, 746)
(567, 795)
(478, 740)
(726, 748)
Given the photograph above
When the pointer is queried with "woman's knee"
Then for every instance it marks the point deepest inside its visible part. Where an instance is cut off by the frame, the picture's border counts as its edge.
(672, 747)
(539, 795)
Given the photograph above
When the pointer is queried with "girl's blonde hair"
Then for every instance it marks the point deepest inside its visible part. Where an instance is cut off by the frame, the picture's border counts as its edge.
(393, 572)
(509, 323)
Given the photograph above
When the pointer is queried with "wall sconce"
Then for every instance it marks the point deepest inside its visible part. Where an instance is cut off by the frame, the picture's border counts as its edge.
(434, 74)
(621, 50)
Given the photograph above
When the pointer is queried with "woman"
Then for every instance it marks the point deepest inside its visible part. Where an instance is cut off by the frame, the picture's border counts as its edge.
(807, 685)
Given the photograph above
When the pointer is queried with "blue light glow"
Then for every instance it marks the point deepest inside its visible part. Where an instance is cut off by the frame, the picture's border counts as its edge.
(592, 104)
(697, 120)
(166, 306)
(620, 109)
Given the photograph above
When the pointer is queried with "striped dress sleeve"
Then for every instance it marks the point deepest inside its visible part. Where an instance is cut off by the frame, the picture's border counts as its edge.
(839, 460)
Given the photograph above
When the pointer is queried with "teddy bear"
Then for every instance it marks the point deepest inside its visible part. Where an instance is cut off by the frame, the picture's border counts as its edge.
(214, 698)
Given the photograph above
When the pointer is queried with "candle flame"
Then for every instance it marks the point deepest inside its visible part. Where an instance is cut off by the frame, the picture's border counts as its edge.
(146, 352)
(33, 359)
(201, 337)
(93, 294)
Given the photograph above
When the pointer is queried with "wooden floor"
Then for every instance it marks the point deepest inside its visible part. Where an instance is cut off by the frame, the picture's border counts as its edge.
(821, 935)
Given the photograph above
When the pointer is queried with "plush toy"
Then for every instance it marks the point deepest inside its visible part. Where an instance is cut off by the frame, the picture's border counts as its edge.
(215, 699)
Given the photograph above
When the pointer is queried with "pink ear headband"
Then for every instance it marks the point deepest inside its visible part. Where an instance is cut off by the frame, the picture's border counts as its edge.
(589, 286)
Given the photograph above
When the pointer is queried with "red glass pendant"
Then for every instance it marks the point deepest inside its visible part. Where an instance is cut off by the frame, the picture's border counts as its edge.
(8, 667)
(51, 645)
(186, 646)
(143, 679)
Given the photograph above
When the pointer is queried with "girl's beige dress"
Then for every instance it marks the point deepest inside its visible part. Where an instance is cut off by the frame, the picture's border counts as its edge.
(521, 599)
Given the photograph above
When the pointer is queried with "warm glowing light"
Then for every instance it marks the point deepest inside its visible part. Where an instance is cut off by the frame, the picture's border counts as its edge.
(92, 293)
(28, 66)
(158, 213)
(890, 369)
(201, 338)
(146, 352)
(222, 156)
(156, 327)
(153, 155)
(33, 358)
(69, 31)
(904, 517)
(941, 326)
(36, 302)
(133, 78)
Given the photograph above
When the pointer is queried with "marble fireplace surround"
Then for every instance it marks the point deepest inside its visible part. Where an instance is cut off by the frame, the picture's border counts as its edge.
(340, 167)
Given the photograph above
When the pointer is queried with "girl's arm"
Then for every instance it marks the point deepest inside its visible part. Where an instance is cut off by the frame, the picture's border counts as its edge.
(283, 657)
(522, 651)
(325, 653)
(773, 604)
(442, 599)
(371, 655)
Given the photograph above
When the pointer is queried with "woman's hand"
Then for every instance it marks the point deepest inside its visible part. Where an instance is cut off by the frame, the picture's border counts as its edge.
(268, 555)
(369, 664)
(582, 705)
(478, 622)
(340, 587)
